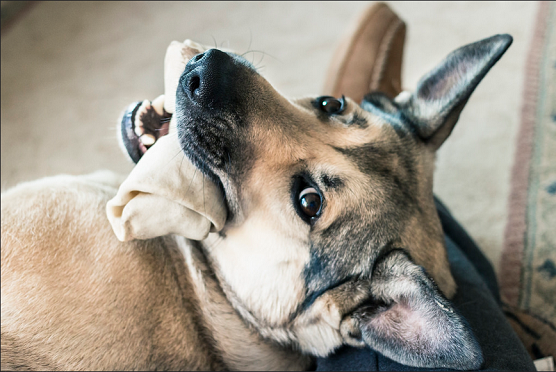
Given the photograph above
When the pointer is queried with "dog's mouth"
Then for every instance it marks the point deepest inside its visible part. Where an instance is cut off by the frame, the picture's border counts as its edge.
(142, 124)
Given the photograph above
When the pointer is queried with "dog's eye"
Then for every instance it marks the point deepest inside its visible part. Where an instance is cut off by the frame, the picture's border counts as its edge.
(310, 202)
(331, 105)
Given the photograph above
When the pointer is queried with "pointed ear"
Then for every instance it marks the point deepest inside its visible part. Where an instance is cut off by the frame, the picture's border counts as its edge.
(410, 321)
(434, 108)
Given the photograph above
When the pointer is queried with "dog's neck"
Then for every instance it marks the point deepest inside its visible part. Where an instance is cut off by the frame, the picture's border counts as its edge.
(239, 345)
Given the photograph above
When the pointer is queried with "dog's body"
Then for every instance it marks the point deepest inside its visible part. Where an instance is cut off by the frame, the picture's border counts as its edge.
(74, 297)
(331, 222)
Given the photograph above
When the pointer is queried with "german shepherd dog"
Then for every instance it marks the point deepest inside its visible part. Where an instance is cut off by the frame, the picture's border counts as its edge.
(332, 237)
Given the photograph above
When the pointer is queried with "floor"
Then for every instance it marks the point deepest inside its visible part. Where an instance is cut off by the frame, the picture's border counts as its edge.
(69, 68)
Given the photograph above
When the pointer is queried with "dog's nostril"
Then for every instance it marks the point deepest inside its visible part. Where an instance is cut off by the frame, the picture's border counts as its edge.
(198, 57)
(194, 84)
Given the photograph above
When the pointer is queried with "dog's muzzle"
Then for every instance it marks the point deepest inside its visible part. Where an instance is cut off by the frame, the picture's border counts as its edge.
(212, 104)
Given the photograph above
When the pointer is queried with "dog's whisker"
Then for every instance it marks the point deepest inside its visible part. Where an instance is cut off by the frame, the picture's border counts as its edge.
(262, 58)
(216, 243)
(191, 182)
(204, 202)
(173, 157)
(260, 51)
(225, 41)
(215, 43)
(250, 38)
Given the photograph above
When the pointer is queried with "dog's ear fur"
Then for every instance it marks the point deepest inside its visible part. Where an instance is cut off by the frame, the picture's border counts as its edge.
(410, 321)
(434, 108)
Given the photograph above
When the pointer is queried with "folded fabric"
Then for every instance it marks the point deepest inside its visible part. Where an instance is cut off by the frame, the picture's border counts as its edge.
(166, 194)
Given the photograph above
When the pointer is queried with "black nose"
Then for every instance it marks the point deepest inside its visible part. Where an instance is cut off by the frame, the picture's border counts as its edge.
(210, 78)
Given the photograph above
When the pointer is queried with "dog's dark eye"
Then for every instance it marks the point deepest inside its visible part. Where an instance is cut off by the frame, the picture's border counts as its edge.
(310, 202)
(331, 105)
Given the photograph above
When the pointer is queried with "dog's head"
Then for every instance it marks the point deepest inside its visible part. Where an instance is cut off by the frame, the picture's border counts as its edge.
(332, 235)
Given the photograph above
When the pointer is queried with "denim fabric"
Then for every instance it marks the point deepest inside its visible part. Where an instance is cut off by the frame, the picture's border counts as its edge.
(477, 299)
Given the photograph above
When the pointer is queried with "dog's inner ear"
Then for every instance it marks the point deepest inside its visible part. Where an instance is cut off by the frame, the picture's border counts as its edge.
(434, 108)
(410, 321)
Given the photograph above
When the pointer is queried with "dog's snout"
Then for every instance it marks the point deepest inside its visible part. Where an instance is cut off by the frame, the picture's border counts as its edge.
(197, 58)
(193, 85)
(210, 77)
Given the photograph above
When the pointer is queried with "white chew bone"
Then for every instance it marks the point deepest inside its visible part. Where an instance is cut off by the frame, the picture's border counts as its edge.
(166, 194)
(158, 104)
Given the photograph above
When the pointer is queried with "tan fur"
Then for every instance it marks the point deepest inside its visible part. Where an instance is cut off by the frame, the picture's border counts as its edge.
(270, 241)
(74, 297)
(276, 286)
(80, 299)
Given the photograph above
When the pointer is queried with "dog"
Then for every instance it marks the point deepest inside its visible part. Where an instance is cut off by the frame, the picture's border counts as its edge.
(332, 237)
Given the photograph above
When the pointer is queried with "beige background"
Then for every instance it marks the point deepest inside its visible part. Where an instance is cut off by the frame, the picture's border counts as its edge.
(68, 70)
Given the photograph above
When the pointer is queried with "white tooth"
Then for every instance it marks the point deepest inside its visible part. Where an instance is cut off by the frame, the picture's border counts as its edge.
(158, 105)
(139, 128)
(147, 139)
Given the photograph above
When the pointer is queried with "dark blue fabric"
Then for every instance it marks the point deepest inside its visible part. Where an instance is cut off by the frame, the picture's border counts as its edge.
(477, 299)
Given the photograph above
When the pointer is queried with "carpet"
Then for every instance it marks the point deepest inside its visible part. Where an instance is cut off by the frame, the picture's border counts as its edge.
(528, 262)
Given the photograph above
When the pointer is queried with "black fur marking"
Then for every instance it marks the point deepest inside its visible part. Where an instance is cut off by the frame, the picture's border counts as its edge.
(331, 181)
(382, 106)
(389, 164)
(370, 158)
(346, 250)
(358, 120)
(350, 245)
(317, 265)
(382, 102)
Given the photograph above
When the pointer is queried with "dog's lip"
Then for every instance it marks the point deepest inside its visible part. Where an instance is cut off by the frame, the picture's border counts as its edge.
(133, 146)
(185, 120)
(207, 171)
